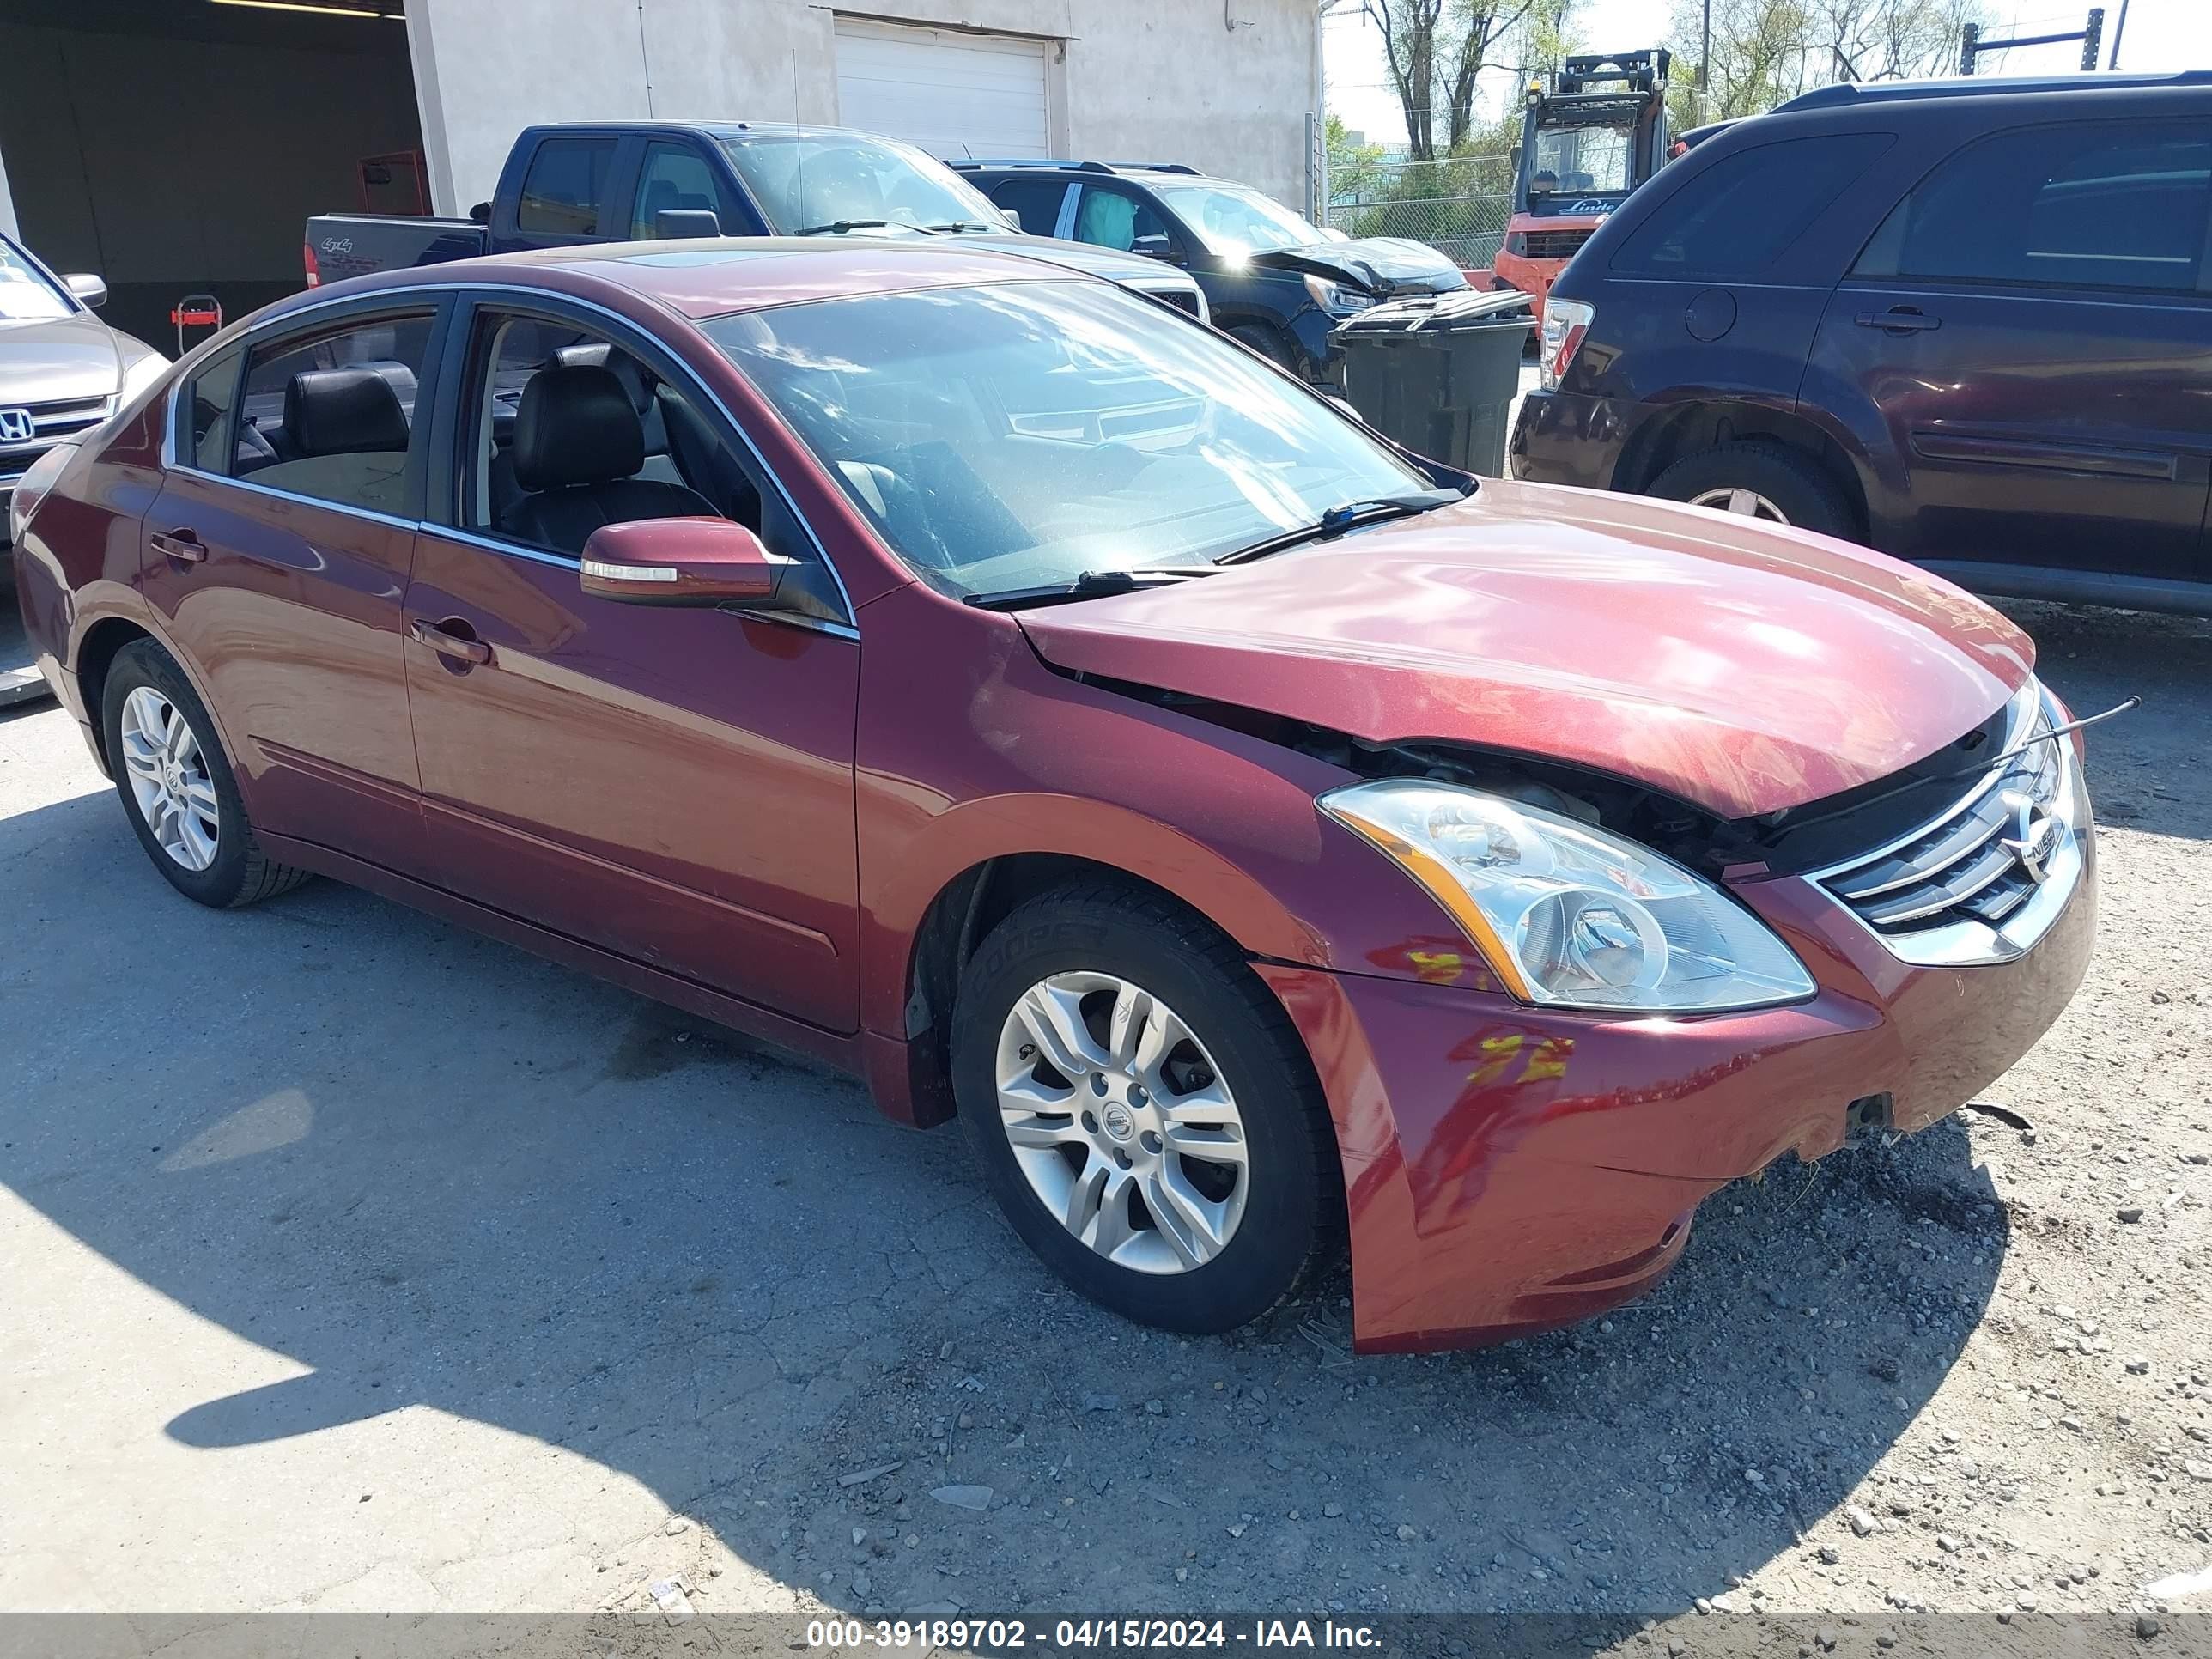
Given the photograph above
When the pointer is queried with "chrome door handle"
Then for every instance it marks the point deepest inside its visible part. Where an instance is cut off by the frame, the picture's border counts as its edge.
(446, 644)
(178, 544)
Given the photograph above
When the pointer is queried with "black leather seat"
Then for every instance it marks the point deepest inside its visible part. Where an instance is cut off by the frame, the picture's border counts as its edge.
(578, 441)
(342, 411)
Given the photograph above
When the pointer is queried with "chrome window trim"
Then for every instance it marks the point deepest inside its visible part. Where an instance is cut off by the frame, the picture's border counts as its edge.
(329, 506)
(475, 291)
(1968, 943)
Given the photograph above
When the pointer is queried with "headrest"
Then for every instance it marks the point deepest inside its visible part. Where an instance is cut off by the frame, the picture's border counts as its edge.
(343, 411)
(575, 426)
(625, 367)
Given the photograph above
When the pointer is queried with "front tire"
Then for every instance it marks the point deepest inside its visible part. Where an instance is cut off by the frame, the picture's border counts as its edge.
(1143, 1110)
(1269, 343)
(1760, 479)
(177, 786)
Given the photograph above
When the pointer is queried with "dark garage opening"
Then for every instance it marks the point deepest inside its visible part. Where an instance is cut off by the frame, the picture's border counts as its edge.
(177, 146)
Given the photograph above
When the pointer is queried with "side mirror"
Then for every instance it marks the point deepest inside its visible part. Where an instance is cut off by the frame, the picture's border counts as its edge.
(480, 214)
(682, 224)
(88, 288)
(680, 562)
(1154, 247)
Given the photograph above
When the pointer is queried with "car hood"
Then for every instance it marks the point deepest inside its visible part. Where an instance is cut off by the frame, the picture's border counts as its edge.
(1383, 263)
(1130, 270)
(1742, 667)
(61, 358)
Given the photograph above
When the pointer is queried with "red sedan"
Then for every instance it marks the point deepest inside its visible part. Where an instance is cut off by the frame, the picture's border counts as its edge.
(988, 681)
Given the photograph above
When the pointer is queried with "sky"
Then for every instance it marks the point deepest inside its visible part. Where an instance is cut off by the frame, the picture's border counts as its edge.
(2160, 34)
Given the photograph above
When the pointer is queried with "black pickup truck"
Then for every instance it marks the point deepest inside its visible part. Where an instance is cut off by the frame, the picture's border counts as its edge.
(646, 180)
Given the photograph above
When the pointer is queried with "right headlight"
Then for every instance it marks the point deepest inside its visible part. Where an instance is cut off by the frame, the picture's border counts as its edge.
(1571, 916)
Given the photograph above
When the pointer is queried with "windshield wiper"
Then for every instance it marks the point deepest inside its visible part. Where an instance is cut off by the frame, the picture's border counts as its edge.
(1345, 516)
(840, 226)
(955, 226)
(1091, 584)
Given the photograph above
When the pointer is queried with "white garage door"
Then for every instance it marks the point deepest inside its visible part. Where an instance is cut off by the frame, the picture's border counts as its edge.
(956, 94)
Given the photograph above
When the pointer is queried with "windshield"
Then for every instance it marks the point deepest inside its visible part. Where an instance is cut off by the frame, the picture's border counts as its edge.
(1016, 435)
(1232, 219)
(26, 295)
(1583, 161)
(804, 180)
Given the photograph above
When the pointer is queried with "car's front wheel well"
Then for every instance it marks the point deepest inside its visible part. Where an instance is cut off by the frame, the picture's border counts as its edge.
(1691, 429)
(93, 658)
(959, 919)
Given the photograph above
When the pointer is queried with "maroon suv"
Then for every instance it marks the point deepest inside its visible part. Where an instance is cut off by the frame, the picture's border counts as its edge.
(993, 683)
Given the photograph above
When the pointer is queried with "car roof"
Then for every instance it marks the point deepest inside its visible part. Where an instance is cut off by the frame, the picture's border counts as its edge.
(714, 279)
(1982, 86)
(1139, 170)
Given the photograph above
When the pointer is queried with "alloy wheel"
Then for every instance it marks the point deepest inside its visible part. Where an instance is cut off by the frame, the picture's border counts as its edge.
(1121, 1123)
(1747, 503)
(169, 780)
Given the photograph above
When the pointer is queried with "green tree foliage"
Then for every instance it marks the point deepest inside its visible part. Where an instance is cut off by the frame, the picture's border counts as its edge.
(1766, 52)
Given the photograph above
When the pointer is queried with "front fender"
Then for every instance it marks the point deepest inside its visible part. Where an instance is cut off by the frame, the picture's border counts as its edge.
(982, 751)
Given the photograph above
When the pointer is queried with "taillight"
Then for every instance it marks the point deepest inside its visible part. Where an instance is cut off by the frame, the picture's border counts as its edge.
(314, 270)
(1565, 324)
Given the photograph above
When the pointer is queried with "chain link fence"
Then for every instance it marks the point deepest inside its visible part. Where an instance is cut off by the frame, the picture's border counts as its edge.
(1459, 205)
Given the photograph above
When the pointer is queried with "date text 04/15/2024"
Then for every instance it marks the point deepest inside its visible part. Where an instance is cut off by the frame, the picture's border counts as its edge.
(1074, 1635)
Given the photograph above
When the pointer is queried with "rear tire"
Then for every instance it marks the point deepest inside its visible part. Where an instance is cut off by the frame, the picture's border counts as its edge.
(1786, 485)
(181, 794)
(1230, 1076)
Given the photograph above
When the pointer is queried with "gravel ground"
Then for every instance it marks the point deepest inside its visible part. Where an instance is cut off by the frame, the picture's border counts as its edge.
(355, 1263)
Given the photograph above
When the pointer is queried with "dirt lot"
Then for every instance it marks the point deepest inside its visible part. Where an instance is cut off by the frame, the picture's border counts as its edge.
(353, 1262)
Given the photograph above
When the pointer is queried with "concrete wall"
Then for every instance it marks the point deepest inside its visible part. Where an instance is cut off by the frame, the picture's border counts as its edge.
(1224, 85)
(175, 148)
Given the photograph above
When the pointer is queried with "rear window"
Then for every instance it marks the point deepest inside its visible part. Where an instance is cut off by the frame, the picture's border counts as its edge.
(566, 187)
(2108, 205)
(1741, 214)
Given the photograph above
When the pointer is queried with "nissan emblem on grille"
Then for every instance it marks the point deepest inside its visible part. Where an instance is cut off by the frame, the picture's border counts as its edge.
(2034, 834)
(16, 426)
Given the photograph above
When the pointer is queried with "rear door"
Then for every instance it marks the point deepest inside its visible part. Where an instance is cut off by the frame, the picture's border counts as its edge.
(279, 547)
(2032, 323)
(575, 187)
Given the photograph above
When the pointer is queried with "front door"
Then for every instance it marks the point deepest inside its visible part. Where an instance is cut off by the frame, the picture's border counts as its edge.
(278, 551)
(672, 785)
(2032, 324)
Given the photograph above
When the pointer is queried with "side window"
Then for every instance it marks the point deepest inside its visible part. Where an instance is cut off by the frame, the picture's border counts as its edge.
(566, 187)
(572, 432)
(2117, 204)
(676, 176)
(331, 414)
(1113, 218)
(1035, 202)
(1740, 215)
(210, 405)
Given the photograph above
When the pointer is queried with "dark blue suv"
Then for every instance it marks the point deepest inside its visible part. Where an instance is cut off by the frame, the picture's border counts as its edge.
(1271, 279)
(1967, 323)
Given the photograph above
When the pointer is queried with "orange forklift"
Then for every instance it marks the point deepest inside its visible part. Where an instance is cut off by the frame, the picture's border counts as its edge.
(1594, 133)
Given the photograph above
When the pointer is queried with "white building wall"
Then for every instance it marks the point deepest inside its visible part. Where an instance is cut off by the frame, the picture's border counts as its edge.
(1224, 85)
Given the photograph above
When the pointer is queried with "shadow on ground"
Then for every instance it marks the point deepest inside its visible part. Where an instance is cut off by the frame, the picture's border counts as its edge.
(436, 1172)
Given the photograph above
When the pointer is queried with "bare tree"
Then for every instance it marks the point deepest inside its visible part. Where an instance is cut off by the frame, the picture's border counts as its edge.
(1766, 51)
(1437, 50)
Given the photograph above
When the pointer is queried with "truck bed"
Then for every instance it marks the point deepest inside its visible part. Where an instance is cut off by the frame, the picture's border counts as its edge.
(342, 244)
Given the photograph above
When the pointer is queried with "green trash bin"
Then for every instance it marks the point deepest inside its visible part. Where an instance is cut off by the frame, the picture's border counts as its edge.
(1437, 372)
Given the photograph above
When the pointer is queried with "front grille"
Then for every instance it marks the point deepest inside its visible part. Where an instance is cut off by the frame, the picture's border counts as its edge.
(1956, 882)
(50, 422)
(1555, 244)
(1182, 299)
